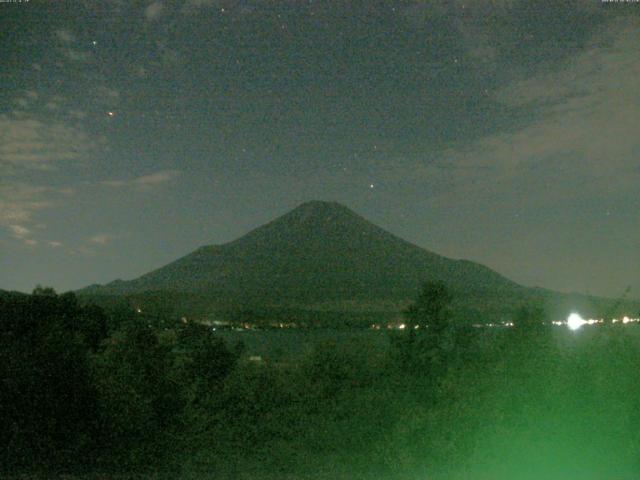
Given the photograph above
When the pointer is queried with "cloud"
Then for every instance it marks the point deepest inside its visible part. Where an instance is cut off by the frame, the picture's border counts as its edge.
(19, 231)
(23, 234)
(145, 181)
(28, 142)
(168, 56)
(27, 99)
(101, 239)
(77, 114)
(581, 139)
(115, 183)
(156, 178)
(485, 28)
(65, 39)
(154, 11)
(55, 102)
(76, 55)
(33, 140)
(19, 205)
(64, 36)
(469, 21)
(107, 95)
(140, 71)
(19, 202)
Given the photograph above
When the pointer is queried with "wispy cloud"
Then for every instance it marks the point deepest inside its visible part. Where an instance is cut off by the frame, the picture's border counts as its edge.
(37, 143)
(581, 138)
(107, 95)
(76, 55)
(101, 239)
(22, 234)
(19, 202)
(154, 11)
(19, 231)
(167, 55)
(67, 47)
(64, 36)
(145, 181)
(157, 178)
(77, 114)
(19, 205)
(482, 27)
(39, 134)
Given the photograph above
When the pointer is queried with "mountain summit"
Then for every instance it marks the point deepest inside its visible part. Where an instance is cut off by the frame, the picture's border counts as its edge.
(318, 252)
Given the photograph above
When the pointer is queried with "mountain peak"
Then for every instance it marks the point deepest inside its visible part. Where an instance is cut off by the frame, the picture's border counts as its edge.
(309, 223)
(311, 216)
(320, 207)
(317, 210)
(320, 204)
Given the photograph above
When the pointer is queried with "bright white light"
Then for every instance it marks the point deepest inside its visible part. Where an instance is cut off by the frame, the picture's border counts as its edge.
(575, 321)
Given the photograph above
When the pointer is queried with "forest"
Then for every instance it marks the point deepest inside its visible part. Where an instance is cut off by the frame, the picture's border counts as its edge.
(91, 392)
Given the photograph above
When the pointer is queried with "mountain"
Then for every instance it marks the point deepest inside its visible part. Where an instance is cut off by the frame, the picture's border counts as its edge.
(316, 252)
(321, 255)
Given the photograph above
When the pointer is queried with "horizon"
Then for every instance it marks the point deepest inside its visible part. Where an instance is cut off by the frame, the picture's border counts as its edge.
(497, 132)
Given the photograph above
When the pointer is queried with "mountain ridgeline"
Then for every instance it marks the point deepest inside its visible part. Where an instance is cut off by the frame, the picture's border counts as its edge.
(321, 254)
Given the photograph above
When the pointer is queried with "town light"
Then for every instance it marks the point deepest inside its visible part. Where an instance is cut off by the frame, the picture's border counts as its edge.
(575, 321)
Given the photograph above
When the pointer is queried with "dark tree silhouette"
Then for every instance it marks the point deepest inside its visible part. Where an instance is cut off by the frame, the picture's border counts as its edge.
(47, 403)
(431, 308)
(429, 337)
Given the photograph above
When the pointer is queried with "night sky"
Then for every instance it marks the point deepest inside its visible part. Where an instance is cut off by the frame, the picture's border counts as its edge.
(501, 131)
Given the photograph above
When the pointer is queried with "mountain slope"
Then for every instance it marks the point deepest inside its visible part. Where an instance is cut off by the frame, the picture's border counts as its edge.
(320, 251)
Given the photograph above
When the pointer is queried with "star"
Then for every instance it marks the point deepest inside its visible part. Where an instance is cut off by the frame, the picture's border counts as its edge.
(371, 185)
